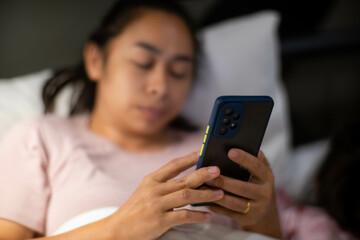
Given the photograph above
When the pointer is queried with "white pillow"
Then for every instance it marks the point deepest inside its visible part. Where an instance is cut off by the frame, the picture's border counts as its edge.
(240, 57)
(20, 98)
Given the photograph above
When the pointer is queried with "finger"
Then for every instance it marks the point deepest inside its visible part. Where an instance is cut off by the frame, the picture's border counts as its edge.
(234, 203)
(262, 157)
(192, 180)
(240, 188)
(179, 217)
(175, 167)
(254, 165)
(190, 196)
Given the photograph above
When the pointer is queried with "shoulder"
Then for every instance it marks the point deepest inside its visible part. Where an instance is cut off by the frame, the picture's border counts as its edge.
(44, 123)
(49, 129)
(56, 126)
(26, 130)
(39, 123)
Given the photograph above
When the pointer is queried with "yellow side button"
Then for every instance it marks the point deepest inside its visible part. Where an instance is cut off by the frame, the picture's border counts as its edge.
(202, 148)
(207, 129)
(204, 138)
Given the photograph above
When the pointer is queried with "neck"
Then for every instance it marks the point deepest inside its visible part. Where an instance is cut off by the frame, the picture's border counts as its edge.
(126, 139)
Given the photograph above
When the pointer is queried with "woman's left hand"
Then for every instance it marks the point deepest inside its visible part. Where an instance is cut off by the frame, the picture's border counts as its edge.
(253, 203)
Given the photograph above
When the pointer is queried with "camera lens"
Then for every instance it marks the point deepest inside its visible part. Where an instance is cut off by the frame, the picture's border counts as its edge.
(228, 111)
(223, 130)
(225, 121)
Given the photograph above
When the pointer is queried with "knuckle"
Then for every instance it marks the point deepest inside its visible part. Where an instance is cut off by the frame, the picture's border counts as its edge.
(186, 194)
(261, 155)
(263, 194)
(175, 162)
(181, 182)
(201, 173)
(149, 197)
(244, 189)
(186, 214)
(146, 179)
(157, 222)
(238, 204)
(149, 204)
(257, 165)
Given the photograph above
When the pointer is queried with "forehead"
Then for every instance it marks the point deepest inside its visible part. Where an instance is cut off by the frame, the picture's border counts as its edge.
(164, 30)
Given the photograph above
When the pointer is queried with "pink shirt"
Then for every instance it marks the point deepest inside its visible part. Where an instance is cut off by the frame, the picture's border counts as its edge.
(53, 169)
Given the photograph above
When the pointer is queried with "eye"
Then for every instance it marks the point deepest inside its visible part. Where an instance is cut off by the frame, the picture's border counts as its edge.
(179, 70)
(177, 75)
(145, 66)
(142, 59)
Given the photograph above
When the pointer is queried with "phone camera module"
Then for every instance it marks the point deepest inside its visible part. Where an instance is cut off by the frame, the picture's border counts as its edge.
(225, 121)
(223, 130)
(228, 111)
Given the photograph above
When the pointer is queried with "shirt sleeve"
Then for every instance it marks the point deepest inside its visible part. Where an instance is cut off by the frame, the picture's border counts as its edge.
(24, 187)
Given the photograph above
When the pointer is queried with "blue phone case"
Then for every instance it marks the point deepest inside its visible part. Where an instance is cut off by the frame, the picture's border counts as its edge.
(235, 122)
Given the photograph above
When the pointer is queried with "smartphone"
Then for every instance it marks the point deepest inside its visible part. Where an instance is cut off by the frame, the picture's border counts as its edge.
(235, 122)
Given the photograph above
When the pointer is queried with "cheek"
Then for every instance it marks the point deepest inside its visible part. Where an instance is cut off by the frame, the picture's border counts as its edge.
(119, 87)
(129, 77)
(179, 94)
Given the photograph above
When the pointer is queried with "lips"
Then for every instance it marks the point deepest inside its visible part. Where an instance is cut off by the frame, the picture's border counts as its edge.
(152, 113)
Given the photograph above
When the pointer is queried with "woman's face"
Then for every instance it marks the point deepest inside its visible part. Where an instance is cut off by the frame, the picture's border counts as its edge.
(146, 73)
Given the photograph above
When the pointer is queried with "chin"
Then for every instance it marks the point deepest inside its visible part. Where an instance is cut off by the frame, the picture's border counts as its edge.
(149, 129)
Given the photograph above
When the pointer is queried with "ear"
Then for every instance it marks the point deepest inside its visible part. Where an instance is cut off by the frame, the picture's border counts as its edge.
(93, 60)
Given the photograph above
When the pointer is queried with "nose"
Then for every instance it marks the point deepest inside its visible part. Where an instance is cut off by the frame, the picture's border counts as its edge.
(157, 82)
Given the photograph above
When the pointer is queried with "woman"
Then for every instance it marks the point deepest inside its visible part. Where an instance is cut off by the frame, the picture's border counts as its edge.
(138, 71)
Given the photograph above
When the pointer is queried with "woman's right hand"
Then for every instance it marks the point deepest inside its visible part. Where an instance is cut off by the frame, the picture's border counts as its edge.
(149, 212)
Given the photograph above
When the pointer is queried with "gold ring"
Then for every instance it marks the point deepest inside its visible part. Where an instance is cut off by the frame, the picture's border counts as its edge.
(247, 208)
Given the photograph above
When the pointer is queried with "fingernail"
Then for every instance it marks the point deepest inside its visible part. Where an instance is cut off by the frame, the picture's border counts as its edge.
(213, 170)
(233, 153)
(218, 192)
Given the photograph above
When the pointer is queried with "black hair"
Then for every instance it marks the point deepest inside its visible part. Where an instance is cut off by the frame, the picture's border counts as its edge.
(338, 179)
(121, 15)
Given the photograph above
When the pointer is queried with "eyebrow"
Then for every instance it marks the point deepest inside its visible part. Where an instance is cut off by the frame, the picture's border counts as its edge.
(149, 47)
(157, 51)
